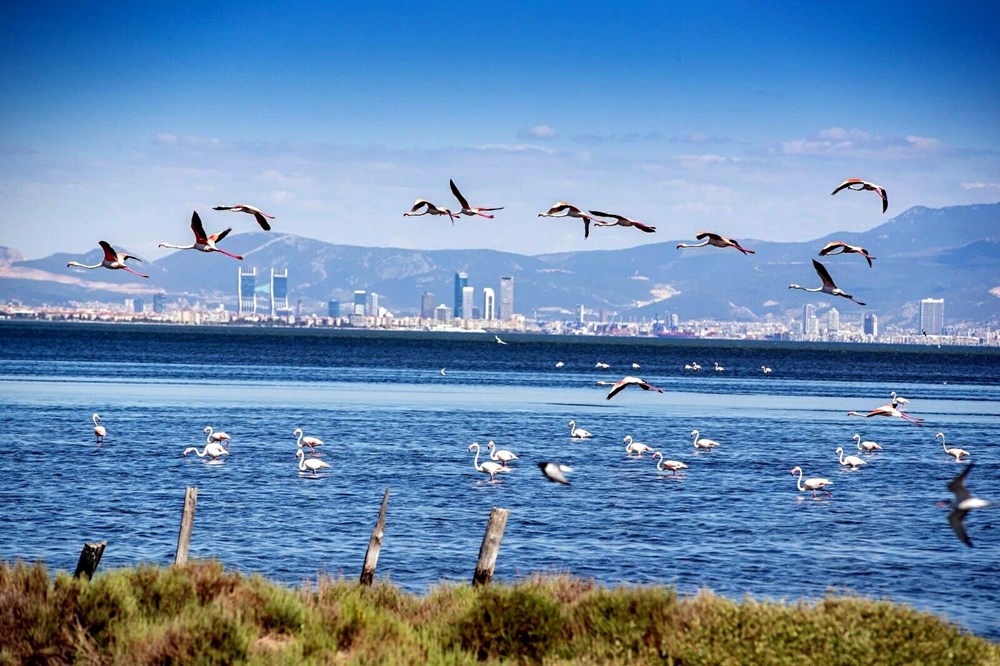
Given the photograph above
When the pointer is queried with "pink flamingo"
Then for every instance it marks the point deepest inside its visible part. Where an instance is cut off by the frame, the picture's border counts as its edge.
(715, 240)
(258, 214)
(466, 208)
(202, 241)
(859, 185)
(112, 259)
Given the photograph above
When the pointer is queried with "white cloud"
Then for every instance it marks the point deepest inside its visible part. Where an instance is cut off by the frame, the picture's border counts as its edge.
(979, 185)
(842, 142)
(542, 131)
(515, 148)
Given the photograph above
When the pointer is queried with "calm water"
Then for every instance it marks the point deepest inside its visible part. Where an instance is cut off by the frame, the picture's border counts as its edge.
(736, 523)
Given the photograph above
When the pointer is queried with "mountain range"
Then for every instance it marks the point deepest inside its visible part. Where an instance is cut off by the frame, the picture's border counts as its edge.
(951, 253)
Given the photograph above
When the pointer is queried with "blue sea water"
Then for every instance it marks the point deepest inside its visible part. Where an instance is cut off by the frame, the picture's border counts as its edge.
(734, 523)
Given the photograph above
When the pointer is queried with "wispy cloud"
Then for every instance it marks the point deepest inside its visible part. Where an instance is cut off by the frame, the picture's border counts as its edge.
(979, 185)
(842, 142)
(617, 137)
(543, 131)
(515, 148)
(699, 138)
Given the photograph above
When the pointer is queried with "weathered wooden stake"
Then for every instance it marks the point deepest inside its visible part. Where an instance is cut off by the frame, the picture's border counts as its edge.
(491, 546)
(187, 522)
(375, 544)
(90, 557)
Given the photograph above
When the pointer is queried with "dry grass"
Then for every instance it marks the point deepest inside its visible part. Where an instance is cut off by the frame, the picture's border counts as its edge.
(202, 614)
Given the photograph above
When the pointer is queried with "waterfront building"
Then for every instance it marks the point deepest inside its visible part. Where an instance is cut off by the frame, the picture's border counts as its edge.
(372, 304)
(871, 324)
(932, 316)
(427, 305)
(246, 291)
(489, 304)
(279, 291)
(158, 305)
(333, 308)
(360, 301)
(506, 298)
(809, 324)
(833, 321)
(468, 296)
(461, 282)
(441, 313)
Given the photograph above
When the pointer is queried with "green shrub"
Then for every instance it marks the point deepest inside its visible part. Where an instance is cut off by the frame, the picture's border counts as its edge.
(519, 622)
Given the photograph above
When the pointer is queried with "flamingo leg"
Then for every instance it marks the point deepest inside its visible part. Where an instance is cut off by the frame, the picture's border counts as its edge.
(229, 254)
(136, 272)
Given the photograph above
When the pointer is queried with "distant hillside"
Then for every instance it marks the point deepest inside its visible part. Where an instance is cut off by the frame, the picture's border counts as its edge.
(952, 253)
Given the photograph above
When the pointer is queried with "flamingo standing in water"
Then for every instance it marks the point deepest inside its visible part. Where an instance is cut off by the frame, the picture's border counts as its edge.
(202, 241)
(310, 465)
(563, 209)
(673, 465)
(715, 240)
(814, 484)
(719, 368)
(962, 504)
(213, 450)
(212, 436)
(866, 446)
(703, 443)
(638, 448)
(579, 433)
(99, 430)
(466, 208)
(425, 207)
(311, 442)
(955, 452)
(828, 285)
(859, 185)
(766, 370)
(113, 260)
(621, 221)
(850, 461)
(625, 382)
(840, 247)
(257, 213)
(488, 467)
(503, 455)
(898, 401)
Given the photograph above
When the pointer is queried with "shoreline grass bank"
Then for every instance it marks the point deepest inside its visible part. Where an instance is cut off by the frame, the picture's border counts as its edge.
(201, 613)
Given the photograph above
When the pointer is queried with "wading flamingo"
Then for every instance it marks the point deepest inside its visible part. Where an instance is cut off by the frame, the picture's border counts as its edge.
(954, 453)
(962, 504)
(814, 484)
(99, 430)
(112, 259)
(466, 208)
(425, 207)
(555, 472)
(311, 442)
(621, 221)
(310, 465)
(212, 436)
(579, 433)
(898, 401)
(487, 467)
(840, 247)
(257, 213)
(859, 185)
(850, 461)
(638, 448)
(702, 443)
(715, 240)
(719, 368)
(766, 370)
(563, 209)
(625, 382)
(202, 241)
(828, 286)
(673, 465)
(865, 446)
(503, 455)
(213, 451)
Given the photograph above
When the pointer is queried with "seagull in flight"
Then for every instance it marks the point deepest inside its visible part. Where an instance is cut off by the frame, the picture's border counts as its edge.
(625, 382)
(258, 214)
(622, 221)
(555, 472)
(466, 208)
(840, 247)
(962, 504)
(499, 341)
(828, 286)
(859, 185)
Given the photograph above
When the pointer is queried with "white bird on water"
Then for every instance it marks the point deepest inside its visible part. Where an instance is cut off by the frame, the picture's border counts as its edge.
(99, 430)
(213, 450)
(488, 467)
(637, 448)
(673, 465)
(815, 484)
(212, 436)
(559, 364)
(503, 455)
(766, 370)
(865, 446)
(703, 443)
(309, 465)
(311, 442)
(719, 368)
(579, 433)
(955, 453)
(898, 401)
(850, 461)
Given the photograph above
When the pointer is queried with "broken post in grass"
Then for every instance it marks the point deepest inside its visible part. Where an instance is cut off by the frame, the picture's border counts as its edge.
(375, 544)
(187, 522)
(90, 557)
(491, 546)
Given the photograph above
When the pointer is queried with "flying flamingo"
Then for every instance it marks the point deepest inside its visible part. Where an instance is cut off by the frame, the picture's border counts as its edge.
(202, 241)
(213, 450)
(579, 433)
(112, 259)
(487, 467)
(840, 247)
(424, 207)
(866, 446)
(813, 484)
(673, 465)
(99, 430)
(258, 214)
(503, 455)
(637, 448)
(213, 436)
(828, 286)
(311, 442)
(715, 240)
(962, 504)
(466, 208)
(889, 410)
(955, 453)
(311, 465)
(563, 209)
(703, 443)
(625, 382)
(850, 461)
(859, 185)
(555, 472)
(621, 221)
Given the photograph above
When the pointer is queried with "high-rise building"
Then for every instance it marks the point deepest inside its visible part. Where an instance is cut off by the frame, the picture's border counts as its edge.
(372, 304)
(461, 282)
(333, 308)
(579, 314)
(246, 291)
(427, 305)
(932, 316)
(871, 324)
(808, 318)
(158, 305)
(833, 321)
(506, 298)
(489, 304)
(441, 313)
(279, 291)
(468, 298)
(675, 321)
(360, 300)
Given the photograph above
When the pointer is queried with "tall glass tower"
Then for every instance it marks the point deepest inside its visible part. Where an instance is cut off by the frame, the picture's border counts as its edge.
(506, 298)
(246, 290)
(279, 290)
(461, 282)
(932, 316)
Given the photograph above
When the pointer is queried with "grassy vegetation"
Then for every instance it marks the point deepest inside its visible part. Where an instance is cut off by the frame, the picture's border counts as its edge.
(202, 614)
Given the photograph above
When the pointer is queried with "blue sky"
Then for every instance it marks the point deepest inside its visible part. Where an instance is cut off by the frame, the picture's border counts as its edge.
(120, 118)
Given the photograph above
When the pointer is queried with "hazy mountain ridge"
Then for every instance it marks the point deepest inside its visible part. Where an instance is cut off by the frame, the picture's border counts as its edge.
(952, 253)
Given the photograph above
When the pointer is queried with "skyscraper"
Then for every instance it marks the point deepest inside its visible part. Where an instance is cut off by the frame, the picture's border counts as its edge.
(158, 306)
(833, 321)
(932, 316)
(871, 324)
(489, 304)
(461, 282)
(506, 298)
(279, 290)
(360, 300)
(808, 318)
(372, 304)
(246, 290)
(333, 308)
(427, 305)
(468, 296)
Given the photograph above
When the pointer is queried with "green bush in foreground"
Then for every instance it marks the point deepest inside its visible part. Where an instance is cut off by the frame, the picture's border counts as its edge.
(202, 614)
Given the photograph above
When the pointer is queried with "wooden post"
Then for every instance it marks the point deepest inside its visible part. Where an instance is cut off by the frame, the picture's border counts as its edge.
(187, 522)
(90, 557)
(375, 544)
(491, 546)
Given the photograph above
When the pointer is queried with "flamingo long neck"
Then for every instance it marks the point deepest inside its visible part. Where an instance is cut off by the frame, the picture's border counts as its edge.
(659, 462)
(841, 454)
(302, 460)
(798, 482)
(96, 418)
(209, 432)
(943, 446)
(78, 264)
(298, 442)
(177, 247)
(202, 453)
(795, 286)
(702, 244)
(475, 463)
(695, 436)
(493, 451)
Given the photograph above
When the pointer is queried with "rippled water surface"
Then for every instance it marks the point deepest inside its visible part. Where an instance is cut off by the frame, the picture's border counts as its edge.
(389, 418)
